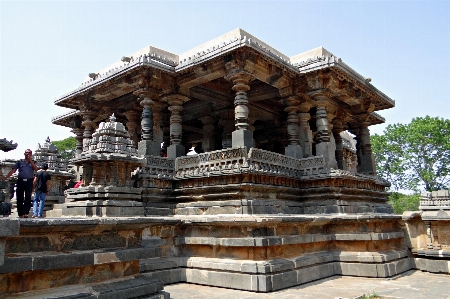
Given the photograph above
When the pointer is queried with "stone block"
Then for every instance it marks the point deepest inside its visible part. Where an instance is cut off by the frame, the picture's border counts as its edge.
(294, 151)
(241, 138)
(284, 280)
(149, 148)
(175, 150)
(60, 261)
(17, 264)
(327, 150)
(9, 227)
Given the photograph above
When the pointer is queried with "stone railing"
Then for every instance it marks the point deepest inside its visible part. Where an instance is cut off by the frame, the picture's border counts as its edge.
(158, 168)
(435, 200)
(236, 160)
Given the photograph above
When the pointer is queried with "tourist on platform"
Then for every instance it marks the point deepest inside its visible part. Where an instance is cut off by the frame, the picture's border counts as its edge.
(78, 185)
(41, 186)
(26, 169)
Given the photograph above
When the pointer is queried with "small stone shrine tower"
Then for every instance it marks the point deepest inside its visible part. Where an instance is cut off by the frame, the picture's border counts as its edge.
(57, 167)
(108, 159)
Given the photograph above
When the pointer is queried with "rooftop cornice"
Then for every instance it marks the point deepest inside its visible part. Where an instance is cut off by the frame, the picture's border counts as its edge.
(151, 60)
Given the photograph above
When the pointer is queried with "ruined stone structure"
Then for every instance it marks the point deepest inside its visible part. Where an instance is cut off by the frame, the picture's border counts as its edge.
(108, 159)
(278, 195)
(5, 186)
(47, 153)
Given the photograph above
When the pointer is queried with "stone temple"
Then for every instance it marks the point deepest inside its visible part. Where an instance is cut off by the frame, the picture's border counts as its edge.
(279, 187)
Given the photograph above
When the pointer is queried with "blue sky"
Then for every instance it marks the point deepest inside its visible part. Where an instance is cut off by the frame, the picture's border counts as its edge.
(47, 48)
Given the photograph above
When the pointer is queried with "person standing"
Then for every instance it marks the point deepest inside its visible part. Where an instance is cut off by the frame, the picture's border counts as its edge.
(26, 169)
(41, 186)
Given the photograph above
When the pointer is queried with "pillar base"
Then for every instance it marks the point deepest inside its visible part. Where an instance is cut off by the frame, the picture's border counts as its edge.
(294, 151)
(149, 148)
(175, 150)
(327, 150)
(240, 138)
(367, 165)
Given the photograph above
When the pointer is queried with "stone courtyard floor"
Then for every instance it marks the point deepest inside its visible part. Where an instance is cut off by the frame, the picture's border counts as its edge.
(409, 285)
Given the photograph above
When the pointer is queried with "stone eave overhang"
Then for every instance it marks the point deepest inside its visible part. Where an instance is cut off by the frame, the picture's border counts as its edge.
(65, 119)
(122, 70)
(230, 46)
(337, 64)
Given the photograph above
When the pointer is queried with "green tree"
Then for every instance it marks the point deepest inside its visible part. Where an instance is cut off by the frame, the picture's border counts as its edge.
(403, 202)
(66, 147)
(416, 155)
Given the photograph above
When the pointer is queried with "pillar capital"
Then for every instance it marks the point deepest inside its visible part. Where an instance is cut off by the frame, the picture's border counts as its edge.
(175, 99)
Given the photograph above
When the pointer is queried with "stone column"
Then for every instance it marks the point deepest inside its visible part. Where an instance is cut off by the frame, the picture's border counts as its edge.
(324, 146)
(89, 127)
(132, 117)
(79, 137)
(147, 146)
(305, 133)
(175, 106)
(227, 123)
(241, 136)
(339, 153)
(366, 161)
(294, 149)
(158, 134)
(208, 142)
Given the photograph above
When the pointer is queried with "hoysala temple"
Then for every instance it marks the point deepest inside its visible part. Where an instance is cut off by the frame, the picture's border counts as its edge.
(231, 165)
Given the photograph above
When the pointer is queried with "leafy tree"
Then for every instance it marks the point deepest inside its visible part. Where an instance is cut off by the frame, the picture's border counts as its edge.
(403, 202)
(415, 155)
(66, 147)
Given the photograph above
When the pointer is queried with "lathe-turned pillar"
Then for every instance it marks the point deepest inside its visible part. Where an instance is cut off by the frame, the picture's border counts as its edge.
(208, 141)
(324, 146)
(79, 138)
(89, 127)
(366, 159)
(305, 133)
(147, 146)
(241, 136)
(132, 117)
(339, 153)
(294, 149)
(175, 102)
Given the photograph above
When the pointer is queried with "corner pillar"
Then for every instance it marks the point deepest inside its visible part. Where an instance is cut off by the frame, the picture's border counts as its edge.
(324, 145)
(79, 138)
(132, 117)
(305, 133)
(294, 149)
(366, 159)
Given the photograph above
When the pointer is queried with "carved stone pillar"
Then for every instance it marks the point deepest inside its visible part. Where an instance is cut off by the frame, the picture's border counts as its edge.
(227, 123)
(339, 153)
(132, 117)
(175, 106)
(79, 137)
(147, 146)
(208, 142)
(294, 149)
(366, 163)
(158, 134)
(89, 127)
(305, 133)
(241, 136)
(324, 146)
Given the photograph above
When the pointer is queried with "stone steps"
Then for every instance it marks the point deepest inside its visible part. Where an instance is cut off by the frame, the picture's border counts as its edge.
(271, 275)
(139, 286)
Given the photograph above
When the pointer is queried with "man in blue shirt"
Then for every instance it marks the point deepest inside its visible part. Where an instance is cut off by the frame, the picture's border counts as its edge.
(41, 186)
(26, 169)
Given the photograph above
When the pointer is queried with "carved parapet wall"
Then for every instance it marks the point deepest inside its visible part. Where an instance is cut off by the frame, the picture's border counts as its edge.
(261, 182)
(435, 205)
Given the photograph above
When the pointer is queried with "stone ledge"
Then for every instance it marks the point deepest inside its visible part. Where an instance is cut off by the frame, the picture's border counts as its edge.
(126, 288)
(286, 240)
(74, 259)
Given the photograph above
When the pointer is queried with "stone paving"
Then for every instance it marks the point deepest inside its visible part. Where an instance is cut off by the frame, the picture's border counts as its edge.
(409, 285)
